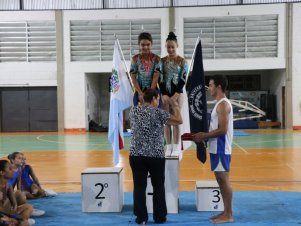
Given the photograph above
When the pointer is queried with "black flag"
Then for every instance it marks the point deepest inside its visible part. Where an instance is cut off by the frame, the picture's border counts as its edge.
(197, 102)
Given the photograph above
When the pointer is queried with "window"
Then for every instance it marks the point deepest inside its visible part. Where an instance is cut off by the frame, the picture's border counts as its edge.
(93, 40)
(27, 41)
(232, 37)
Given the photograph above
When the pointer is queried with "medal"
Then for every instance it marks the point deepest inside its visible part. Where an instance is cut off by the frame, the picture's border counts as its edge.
(146, 67)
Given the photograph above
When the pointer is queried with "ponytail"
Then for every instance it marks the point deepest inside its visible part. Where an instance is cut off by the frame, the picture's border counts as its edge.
(13, 156)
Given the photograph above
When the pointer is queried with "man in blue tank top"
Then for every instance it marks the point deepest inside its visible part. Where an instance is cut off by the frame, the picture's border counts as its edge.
(220, 137)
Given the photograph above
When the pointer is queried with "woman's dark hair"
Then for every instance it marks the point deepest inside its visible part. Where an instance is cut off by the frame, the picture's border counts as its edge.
(3, 164)
(145, 35)
(149, 94)
(13, 156)
(220, 80)
(172, 37)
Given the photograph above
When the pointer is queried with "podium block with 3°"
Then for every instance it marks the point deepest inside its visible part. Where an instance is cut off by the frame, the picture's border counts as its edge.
(208, 196)
(102, 189)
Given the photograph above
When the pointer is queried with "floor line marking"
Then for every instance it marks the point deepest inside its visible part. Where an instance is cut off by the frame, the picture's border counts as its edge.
(240, 147)
(60, 142)
(268, 141)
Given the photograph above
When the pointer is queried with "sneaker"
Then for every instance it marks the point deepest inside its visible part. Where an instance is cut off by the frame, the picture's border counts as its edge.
(168, 150)
(31, 221)
(176, 151)
(138, 221)
(37, 213)
(50, 193)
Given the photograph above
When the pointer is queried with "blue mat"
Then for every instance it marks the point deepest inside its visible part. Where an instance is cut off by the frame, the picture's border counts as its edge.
(127, 134)
(250, 208)
(240, 133)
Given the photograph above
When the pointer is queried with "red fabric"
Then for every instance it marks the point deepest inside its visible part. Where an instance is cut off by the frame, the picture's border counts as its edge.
(121, 145)
(187, 136)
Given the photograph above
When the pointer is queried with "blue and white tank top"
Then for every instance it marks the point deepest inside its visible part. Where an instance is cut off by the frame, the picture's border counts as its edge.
(221, 144)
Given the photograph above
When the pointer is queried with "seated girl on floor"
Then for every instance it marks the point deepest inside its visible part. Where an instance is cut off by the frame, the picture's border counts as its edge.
(16, 160)
(30, 183)
(11, 213)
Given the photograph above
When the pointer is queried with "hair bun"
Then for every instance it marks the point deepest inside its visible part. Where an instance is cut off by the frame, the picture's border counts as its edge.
(172, 36)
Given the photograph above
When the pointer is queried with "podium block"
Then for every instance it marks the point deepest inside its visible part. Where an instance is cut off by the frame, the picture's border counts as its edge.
(102, 189)
(171, 186)
(208, 196)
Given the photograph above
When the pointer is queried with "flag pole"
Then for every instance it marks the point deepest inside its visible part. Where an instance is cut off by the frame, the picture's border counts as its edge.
(125, 66)
(192, 59)
(193, 53)
(185, 127)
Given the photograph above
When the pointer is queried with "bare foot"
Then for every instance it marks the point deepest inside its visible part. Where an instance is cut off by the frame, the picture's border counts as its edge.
(222, 219)
(35, 191)
(216, 216)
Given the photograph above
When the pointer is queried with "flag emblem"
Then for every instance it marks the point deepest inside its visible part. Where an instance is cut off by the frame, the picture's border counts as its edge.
(195, 102)
(115, 84)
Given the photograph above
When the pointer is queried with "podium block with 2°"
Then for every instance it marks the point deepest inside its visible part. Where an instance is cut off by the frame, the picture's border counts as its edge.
(102, 189)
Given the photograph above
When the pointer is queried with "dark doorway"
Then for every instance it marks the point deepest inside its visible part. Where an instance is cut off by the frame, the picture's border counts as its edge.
(30, 109)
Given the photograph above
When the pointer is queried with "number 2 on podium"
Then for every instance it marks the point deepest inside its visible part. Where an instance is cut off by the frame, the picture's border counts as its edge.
(102, 187)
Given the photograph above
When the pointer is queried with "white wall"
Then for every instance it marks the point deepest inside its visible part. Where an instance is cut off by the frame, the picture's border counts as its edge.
(75, 107)
(296, 66)
(23, 73)
(237, 64)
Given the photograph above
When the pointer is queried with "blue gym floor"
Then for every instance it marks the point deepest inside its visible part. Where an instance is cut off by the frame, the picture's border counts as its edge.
(250, 208)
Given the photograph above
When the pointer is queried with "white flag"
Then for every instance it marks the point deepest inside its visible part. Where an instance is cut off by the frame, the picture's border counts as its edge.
(121, 98)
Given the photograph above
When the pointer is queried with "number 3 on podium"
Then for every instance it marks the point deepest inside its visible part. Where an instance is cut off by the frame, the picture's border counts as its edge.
(216, 196)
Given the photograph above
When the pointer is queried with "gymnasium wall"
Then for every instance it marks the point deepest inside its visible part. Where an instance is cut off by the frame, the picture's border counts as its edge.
(296, 66)
(27, 73)
(75, 112)
(251, 10)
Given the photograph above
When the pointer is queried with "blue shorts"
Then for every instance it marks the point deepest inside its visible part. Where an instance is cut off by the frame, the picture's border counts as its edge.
(220, 162)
